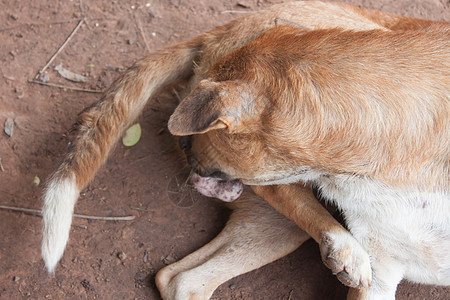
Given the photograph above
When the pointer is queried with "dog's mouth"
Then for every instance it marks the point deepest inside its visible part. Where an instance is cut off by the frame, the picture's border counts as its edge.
(225, 190)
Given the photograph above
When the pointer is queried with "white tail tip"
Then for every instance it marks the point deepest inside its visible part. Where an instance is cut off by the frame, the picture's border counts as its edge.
(57, 212)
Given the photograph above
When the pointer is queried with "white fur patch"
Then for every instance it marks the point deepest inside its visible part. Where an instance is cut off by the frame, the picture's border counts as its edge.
(406, 230)
(59, 202)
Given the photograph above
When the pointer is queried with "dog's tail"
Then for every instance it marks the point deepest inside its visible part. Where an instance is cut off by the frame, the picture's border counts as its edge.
(98, 129)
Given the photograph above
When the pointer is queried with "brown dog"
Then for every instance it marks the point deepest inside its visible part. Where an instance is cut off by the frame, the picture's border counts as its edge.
(272, 236)
(362, 115)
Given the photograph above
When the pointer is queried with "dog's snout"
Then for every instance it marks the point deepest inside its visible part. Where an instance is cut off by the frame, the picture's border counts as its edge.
(185, 142)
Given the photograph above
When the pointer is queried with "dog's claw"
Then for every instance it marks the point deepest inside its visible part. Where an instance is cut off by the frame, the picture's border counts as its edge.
(346, 258)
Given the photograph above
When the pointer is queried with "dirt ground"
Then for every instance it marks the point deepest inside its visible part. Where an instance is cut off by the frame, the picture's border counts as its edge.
(118, 260)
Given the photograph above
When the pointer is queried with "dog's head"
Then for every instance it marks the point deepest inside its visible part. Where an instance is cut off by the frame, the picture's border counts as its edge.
(237, 123)
(223, 128)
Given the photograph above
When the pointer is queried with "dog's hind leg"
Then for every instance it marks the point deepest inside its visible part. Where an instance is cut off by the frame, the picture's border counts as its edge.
(254, 236)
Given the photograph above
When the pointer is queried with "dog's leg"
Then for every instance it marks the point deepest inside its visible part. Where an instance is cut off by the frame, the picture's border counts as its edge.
(387, 274)
(340, 251)
(254, 236)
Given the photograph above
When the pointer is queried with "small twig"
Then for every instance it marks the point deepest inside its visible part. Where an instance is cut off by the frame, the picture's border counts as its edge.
(65, 87)
(59, 49)
(235, 12)
(38, 24)
(139, 24)
(38, 212)
(125, 218)
(138, 209)
(9, 78)
(81, 7)
(1, 166)
(80, 226)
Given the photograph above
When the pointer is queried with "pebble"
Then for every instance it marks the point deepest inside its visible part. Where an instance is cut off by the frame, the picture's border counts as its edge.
(122, 256)
(45, 77)
(169, 259)
(145, 258)
(9, 126)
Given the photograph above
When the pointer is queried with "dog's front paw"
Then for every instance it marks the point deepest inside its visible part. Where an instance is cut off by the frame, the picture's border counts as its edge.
(342, 253)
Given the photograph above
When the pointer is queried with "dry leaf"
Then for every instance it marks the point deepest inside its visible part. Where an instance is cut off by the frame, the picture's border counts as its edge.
(69, 75)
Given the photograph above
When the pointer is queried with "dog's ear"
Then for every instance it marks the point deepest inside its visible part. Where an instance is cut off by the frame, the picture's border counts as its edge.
(212, 105)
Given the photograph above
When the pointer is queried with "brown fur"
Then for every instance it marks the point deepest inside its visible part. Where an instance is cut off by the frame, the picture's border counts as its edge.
(100, 126)
(333, 133)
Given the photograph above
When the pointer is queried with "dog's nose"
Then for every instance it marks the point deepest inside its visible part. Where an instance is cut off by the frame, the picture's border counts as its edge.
(185, 142)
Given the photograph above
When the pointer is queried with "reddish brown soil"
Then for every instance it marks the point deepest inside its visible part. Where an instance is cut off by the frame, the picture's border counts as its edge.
(118, 260)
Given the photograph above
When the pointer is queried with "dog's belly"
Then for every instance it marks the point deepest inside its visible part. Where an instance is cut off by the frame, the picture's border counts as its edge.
(401, 229)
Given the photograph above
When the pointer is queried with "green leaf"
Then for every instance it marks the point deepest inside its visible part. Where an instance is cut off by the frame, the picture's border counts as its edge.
(132, 135)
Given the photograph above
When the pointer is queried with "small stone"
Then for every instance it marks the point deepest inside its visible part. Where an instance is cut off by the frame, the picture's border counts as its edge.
(244, 4)
(44, 77)
(169, 259)
(16, 278)
(232, 286)
(131, 42)
(87, 285)
(122, 256)
(9, 126)
(20, 93)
